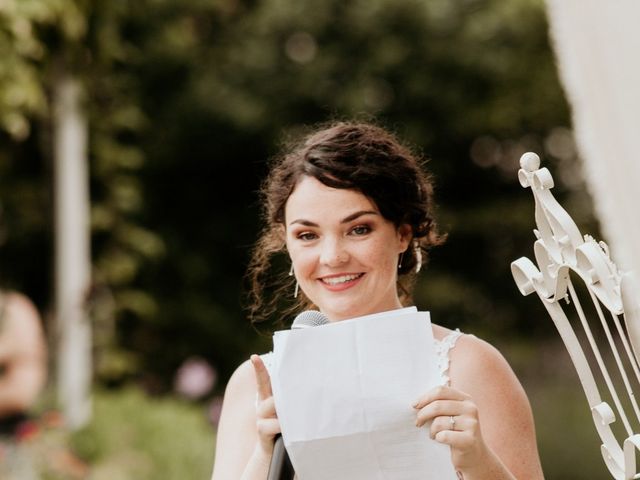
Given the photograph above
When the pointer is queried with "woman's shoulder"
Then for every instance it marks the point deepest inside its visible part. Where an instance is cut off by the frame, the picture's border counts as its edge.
(478, 366)
(474, 349)
(471, 355)
(242, 378)
(469, 346)
(441, 334)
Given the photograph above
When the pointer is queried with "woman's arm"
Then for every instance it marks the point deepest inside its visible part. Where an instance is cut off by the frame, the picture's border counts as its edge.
(493, 437)
(247, 426)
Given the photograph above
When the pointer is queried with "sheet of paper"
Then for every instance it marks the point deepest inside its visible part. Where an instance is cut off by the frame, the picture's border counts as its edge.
(344, 394)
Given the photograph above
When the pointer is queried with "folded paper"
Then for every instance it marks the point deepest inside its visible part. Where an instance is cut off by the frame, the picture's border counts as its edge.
(344, 394)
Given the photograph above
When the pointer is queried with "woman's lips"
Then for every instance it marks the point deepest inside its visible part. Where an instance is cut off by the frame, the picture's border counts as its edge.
(341, 282)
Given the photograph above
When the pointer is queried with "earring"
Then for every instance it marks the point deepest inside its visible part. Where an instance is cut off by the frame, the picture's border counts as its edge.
(295, 292)
(418, 251)
(400, 260)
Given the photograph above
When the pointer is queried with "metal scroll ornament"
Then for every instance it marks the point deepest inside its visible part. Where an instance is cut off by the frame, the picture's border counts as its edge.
(604, 341)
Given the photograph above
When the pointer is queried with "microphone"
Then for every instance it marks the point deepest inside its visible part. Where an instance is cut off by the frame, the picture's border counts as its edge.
(309, 318)
(280, 467)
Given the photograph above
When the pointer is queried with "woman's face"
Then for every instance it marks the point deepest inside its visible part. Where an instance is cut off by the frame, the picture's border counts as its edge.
(344, 252)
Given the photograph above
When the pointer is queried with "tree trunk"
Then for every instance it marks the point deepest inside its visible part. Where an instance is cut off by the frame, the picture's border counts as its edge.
(72, 251)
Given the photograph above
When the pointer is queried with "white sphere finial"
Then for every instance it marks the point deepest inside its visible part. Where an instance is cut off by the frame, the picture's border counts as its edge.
(530, 162)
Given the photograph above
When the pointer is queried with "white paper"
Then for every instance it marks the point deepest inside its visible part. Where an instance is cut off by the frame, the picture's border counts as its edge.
(344, 394)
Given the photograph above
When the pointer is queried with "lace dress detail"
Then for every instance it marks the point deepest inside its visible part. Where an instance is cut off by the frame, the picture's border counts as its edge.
(443, 347)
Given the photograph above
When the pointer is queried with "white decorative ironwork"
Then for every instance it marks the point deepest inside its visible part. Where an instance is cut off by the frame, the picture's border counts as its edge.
(560, 249)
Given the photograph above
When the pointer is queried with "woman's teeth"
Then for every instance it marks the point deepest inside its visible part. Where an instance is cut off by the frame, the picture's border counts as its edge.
(341, 279)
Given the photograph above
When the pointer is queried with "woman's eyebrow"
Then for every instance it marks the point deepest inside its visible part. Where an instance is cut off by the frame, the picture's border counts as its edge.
(358, 214)
(306, 223)
(347, 219)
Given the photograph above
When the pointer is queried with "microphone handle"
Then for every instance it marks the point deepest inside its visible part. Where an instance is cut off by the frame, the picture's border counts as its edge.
(280, 467)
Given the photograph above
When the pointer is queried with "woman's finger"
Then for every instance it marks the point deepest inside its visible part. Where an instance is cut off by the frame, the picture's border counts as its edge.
(453, 423)
(263, 381)
(266, 408)
(442, 392)
(444, 408)
(268, 427)
(440, 424)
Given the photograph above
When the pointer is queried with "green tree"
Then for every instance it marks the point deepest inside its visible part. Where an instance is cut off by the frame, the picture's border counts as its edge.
(188, 99)
(469, 83)
(24, 107)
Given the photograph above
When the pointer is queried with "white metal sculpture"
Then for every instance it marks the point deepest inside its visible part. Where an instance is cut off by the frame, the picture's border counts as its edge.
(604, 347)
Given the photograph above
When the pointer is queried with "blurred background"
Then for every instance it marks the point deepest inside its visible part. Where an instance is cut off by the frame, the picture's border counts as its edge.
(184, 102)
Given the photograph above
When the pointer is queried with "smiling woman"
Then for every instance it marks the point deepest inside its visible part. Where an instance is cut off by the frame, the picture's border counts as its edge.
(351, 207)
(350, 158)
(344, 252)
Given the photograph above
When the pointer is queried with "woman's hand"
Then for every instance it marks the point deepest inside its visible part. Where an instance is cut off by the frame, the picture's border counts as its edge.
(454, 422)
(248, 425)
(267, 422)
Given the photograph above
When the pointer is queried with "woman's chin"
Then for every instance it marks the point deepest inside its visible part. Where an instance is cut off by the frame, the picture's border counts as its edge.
(337, 315)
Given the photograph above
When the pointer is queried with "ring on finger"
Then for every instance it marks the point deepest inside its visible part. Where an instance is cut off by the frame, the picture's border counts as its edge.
(452, 422)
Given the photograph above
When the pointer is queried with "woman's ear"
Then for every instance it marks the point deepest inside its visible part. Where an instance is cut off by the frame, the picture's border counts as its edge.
(405, 234)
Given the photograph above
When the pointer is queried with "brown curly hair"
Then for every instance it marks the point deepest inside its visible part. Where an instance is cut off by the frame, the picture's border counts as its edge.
(345, 155)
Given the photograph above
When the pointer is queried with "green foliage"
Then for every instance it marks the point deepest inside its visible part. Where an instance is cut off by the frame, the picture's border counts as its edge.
(24, 54)
(136, 436)
(568, 442)
(131, 435)
(187, 99)
(444, 74)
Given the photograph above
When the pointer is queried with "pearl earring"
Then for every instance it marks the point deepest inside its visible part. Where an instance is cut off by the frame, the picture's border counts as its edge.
(418, 251)
(295, 292)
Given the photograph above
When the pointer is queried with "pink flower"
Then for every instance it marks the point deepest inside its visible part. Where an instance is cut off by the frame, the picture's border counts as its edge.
(195, 378)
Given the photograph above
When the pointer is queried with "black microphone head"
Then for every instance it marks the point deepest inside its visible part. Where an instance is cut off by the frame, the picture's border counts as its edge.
(309, 318)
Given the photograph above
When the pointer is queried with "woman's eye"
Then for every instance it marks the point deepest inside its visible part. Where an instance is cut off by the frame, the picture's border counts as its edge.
(306, 236)
(361, 230)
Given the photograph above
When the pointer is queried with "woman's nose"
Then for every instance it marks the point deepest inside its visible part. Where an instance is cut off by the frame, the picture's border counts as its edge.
(333, 252)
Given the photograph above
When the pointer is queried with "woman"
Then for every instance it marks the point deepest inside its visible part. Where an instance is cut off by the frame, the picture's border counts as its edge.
(351, 207)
